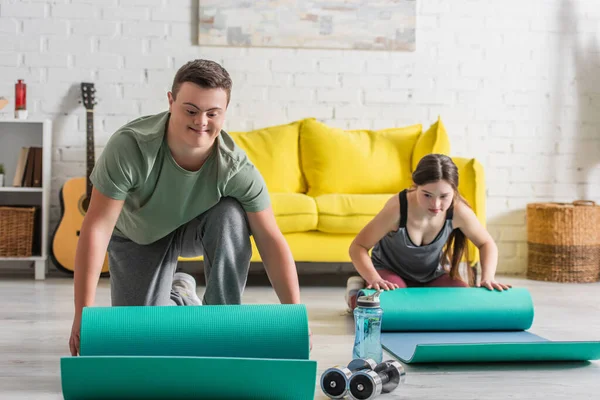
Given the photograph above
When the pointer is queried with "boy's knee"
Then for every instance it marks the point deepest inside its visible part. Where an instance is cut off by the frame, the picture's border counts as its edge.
(229, 207)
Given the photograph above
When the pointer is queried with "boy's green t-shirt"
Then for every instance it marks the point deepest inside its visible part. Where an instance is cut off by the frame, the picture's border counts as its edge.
(160, 196)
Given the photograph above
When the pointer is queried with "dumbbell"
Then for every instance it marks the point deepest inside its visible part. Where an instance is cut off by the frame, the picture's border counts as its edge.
(334, 381)
(384, 378)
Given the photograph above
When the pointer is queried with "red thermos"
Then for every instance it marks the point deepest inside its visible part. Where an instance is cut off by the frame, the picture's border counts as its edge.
(20, 99)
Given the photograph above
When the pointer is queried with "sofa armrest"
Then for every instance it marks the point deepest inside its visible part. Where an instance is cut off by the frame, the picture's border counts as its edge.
(471, 186)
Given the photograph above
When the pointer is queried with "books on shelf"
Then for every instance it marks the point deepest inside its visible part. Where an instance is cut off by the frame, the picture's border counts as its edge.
(29, 168)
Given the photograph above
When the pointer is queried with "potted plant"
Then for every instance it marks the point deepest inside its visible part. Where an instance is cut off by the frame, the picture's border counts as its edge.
(1, 175)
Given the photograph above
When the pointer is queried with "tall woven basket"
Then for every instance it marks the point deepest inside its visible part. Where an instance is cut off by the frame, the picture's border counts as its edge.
(563, 241)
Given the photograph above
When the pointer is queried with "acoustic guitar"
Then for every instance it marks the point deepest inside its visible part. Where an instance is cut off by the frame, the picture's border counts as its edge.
(75, 197)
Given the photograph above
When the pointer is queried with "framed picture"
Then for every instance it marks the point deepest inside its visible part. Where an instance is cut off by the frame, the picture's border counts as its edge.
(323, 24)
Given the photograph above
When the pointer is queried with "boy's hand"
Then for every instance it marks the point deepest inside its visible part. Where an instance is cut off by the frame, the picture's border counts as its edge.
(74, 340)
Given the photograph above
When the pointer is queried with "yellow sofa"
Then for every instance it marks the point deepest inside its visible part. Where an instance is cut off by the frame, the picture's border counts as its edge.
(327, 183)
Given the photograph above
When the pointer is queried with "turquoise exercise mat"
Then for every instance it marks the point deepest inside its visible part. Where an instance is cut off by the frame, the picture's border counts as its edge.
(501, 346)
(251, 331)
(455, 309)
(190, 352)
(181, 378)
(423, 325)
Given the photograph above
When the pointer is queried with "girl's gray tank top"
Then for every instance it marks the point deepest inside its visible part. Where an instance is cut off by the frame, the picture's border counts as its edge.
(397, 253)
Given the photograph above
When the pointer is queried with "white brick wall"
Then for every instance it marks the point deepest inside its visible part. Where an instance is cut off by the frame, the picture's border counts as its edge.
(516, 83)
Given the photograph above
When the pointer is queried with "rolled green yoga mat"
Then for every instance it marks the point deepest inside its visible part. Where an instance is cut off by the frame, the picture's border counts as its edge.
(469, 325)
(218, 352)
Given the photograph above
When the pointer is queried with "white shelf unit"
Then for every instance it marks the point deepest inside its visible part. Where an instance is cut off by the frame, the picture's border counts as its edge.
(15, 134)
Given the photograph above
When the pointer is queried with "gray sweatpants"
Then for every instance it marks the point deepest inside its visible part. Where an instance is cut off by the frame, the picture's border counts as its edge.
(143, 274)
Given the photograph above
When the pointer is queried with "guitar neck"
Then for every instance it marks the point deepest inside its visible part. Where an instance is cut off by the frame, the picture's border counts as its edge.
(90, 156)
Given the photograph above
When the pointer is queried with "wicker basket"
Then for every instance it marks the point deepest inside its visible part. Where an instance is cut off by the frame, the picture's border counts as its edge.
(16, 231)
(563, 242)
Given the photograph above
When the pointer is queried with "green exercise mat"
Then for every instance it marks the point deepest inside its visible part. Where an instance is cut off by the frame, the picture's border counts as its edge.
(455, 309)
(423, 325)
(181, 378)
(253, 331)
(187, 352)
(504, 346)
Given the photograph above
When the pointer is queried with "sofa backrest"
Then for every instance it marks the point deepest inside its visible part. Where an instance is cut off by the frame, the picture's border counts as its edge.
(274, 152)
(433, 140)
(356, 161)
(308, 156)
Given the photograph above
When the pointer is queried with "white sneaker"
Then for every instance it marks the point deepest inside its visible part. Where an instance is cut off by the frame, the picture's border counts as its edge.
(185, 285)
(353, 285)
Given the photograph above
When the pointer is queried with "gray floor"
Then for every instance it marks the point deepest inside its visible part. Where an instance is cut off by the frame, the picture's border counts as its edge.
(36, 320)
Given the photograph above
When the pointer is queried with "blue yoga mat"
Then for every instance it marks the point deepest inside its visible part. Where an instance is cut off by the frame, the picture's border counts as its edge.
(423, 325)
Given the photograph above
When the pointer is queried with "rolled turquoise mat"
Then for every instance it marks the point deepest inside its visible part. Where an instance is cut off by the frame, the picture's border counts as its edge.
(422, 325)
(455, 309)
(252, 331)
(241, 351)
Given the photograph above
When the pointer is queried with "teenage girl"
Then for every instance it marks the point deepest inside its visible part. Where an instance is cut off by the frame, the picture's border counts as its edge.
(408, 237)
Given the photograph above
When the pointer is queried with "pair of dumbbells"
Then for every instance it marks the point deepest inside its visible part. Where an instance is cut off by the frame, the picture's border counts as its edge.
(362, 379)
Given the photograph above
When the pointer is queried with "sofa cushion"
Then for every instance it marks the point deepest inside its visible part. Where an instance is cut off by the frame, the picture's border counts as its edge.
(356, 161)
(434, 140)
(294, 212)
(348, 213)
(274, 152)
(471, 186)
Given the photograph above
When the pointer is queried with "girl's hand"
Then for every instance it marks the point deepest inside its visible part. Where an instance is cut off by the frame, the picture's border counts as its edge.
(382, 284)
(491, 284)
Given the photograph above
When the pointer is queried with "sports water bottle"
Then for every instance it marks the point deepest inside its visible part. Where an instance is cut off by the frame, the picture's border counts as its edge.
(367, 319)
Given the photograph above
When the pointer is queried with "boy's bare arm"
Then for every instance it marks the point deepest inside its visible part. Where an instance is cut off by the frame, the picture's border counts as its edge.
(97, 227)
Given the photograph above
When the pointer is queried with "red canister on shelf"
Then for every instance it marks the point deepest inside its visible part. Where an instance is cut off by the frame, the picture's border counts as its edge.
(20, 99)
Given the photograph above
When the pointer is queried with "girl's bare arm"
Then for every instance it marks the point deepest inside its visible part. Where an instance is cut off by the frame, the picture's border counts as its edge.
(385, 221)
